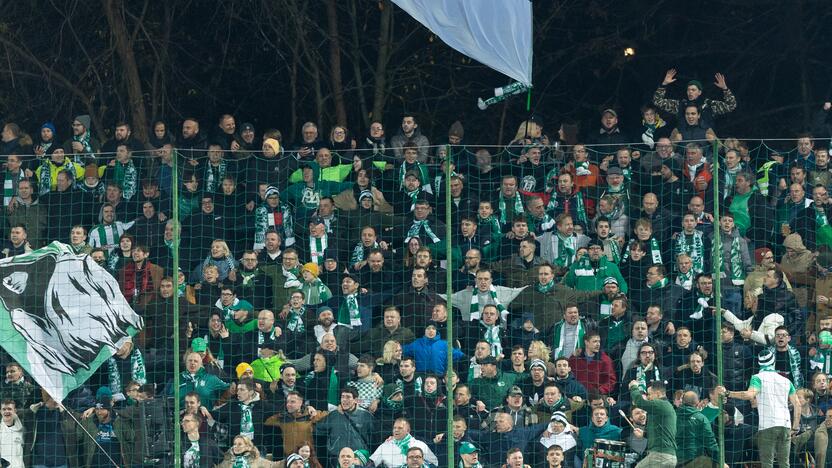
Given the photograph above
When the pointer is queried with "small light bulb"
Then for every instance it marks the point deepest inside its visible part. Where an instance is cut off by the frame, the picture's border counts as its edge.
(629, 52)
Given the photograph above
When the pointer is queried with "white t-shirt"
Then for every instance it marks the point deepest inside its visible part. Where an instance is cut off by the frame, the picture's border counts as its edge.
(773, 391)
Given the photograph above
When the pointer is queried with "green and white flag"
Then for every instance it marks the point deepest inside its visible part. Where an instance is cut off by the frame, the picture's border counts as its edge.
(61, 316)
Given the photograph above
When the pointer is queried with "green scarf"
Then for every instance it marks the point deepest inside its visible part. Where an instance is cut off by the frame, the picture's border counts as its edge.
(191, 458)
(241, 461)
(517, 207)
(180, 289)
(659, 284)
(824, 230)
(246, 423)
(127, 177)
(214, 176)
(416, 166)
(404, 443)
(10, 184)
(316, 249)
(333, 391)
(417, 227)
(545, 288)
(295, 320)
(491, 334)
(84, 139)
(694, 246)
(475, 303)
(736, 270)
(655, 251)
(565, 247)
(138, 373)
(685, 280)
(349, 314)
(358, 253)
(558, 350)
(45, 177)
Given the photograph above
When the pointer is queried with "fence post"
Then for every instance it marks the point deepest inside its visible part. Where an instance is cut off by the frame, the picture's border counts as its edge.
(716, 270)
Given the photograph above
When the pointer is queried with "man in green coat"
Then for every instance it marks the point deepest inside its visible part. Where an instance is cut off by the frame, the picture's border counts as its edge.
(589, 272)
(493, 385)
(695, 441)
(661, 425)
(197, 379)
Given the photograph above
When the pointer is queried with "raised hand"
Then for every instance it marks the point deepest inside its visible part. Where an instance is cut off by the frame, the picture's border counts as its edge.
(720, 81)
(669, 77)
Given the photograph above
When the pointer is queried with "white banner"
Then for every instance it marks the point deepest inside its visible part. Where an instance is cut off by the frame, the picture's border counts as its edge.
(496, 33)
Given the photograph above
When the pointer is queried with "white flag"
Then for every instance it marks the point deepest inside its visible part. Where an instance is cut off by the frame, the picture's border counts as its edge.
(496, 33)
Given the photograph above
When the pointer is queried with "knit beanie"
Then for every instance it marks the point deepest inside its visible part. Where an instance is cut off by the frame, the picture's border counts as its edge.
(696, 83)
(242, 368)
(456, 130)
(50, 126)
(760, 253)
(311, 268)
(84, 120)
(765, 358)
(273, 144)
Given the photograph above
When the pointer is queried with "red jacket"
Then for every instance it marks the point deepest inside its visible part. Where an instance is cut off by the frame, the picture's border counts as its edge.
(597, 375)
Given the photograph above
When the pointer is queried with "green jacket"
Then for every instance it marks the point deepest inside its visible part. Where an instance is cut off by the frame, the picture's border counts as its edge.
(694, 436)
(583, 277)
(67, 429)
(208, 386)
(661, 423)
(493, 391)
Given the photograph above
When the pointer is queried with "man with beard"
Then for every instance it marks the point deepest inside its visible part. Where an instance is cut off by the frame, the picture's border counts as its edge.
(252, 284)
(122, 135)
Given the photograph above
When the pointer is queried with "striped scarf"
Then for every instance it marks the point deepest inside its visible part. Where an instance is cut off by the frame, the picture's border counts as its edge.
(295, 320)
(558, 349)
(475, 310)
(655, 251)
(417, 227)
(246, 423)
(291, 275)
(517, 207)
(214, 176)
(317, 245)
(138, 372)
(127, 177)
(565, 247)
(192, 457)
(735, 268)
(404, 443)
(107, 235)
(359, 252)
(349, 313)
(694, 246)
(611, 249)
(10, 186)
(491, 334)
(685, 280)
(45, 177)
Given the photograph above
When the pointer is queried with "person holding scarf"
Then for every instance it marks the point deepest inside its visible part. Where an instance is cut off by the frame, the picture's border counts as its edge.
(122, 171)
(215, 168)
(411, 192)
(692, 242)
(643, 231)
(273, 216)
(561, 245)
(83, 145)
(471, 301)
(246, 415)
(394, 451)
(509, 202)
(736, 262)
(55, 162)
(312, 246)
(489, 328)
(567, 334)
(353, 307)
(610, 243)
(411, 164)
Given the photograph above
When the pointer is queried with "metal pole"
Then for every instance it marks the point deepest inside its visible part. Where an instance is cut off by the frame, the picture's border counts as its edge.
(717, 279)
(449, 434)
(177, 441)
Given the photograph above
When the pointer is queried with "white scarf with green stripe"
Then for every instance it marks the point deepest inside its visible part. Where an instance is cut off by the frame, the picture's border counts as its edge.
(558, 340)
(491, 334)
(565, 247)
(516, 202)
(694, 246)
(316, 249)
(476, 311)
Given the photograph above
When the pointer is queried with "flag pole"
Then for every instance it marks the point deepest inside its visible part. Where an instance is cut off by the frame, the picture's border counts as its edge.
(67, 411)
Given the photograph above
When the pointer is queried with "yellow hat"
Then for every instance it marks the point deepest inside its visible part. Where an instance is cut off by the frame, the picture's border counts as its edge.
(311, 267)
(242, 368)
(273, 144)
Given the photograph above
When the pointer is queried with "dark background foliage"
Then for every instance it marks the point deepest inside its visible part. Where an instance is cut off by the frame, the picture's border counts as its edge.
(278, 63)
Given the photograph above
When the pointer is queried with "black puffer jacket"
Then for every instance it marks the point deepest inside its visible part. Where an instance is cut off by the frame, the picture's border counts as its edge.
(781, 301)
(735, 368)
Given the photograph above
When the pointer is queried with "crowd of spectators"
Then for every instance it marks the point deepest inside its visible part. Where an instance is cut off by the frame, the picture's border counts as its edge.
(313, 278)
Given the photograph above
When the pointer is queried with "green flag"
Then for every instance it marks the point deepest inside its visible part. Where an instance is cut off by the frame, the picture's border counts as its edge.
(61, 316)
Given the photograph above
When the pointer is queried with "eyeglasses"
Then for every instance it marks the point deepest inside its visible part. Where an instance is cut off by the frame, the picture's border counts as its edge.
(648, 352)
(781, 335)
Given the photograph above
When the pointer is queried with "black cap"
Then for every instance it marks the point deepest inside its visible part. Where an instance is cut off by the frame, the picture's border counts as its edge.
(488, 360)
